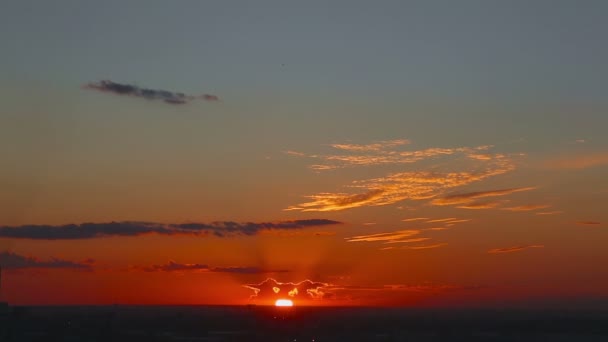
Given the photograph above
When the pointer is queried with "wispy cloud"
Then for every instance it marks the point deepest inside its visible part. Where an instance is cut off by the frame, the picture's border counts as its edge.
(383, 153)
(469, 197)
(415, 219)
(437, 245)
(480, 205)
(100, 230)
(166, 96)
(513, 249)
(173, 266)
(448, 219)
(9, 260)
(588, 222)
(579, 161)
(396, 187)
(390, 237)
(555, 212)
(377, 146)
(528, 207)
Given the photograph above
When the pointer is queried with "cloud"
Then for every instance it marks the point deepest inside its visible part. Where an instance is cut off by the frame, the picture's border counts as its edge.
(271, 289)
(420, 239)
(377, 146)
(471, 196)
(396, 187)
(390, 237)
(170, 97)
(100, 230)
(528, 207)
(9, 260)
(437, 245)
(579, 161)
(415, 219)
(513, 249)
(449, 219)
(173, 266)
(588, 222)
(480, 205)
(418, 247)
(549, 212)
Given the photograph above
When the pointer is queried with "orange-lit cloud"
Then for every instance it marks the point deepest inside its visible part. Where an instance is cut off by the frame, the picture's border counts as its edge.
(271, 289)
(377, 146)
(471, 196)
(415, 219)
(555, 212)
(420, 239)
(418, 247)
(395, 187)
(513, 249)
(305, 291)
(449, 219)
(528, 207)
(437, 245)
(383, 153)
(480, 205)
(579, 161)
(390, 237)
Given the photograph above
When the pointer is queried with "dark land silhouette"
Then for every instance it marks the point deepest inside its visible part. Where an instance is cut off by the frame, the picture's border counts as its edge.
(259, 323)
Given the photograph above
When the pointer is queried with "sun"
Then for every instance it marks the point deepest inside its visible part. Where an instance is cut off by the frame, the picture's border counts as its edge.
(283, 302)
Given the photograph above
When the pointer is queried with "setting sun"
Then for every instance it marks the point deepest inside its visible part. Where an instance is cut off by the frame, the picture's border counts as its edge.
(283, 302)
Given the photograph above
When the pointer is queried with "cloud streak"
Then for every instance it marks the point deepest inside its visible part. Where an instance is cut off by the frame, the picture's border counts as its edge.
(173, 266)
(513, 249)
(125, 229)
(390, 237)
(12, 261)
(166, 96)
(471, 196)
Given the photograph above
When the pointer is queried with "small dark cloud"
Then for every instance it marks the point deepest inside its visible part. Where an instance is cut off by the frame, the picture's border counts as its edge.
(146, 93)
(100, 230)
(173, 266)
(10, 260)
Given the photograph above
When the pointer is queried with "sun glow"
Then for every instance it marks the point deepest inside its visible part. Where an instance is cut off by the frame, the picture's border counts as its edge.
(283, 302)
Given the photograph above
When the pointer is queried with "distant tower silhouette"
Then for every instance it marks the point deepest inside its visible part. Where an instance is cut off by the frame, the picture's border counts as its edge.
(0, 283)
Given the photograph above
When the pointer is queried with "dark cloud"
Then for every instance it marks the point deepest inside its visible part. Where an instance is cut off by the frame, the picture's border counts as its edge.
(99, 230)
(10, 260)
(173, 266)
(471, 196)
(270, 289)
(146, 93)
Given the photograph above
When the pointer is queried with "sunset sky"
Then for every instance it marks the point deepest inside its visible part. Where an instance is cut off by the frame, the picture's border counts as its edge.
(400, 153)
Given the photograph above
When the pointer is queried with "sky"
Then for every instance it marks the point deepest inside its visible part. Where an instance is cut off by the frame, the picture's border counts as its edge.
(386, 153)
